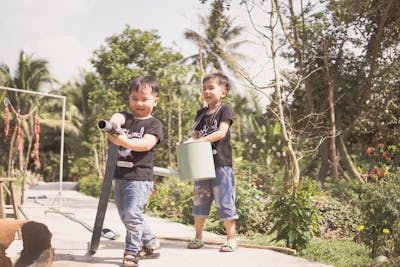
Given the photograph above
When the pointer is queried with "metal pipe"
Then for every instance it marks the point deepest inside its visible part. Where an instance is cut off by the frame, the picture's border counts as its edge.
(165, 172)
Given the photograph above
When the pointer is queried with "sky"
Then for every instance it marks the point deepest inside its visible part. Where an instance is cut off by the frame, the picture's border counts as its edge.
(66, 33)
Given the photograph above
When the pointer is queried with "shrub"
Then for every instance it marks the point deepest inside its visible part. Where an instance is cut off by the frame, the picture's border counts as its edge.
(337, 219)
(380, 228)
(295, 215)
(79, 167)
(251, 208)
(173, 199)
(91, 185)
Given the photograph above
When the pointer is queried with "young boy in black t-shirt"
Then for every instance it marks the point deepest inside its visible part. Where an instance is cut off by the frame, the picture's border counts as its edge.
(134, 172)
(213, 125)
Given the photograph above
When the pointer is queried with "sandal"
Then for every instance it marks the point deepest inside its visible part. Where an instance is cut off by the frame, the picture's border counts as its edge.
(195, 244)
(147, 253)
(229, 246)
(130, 261)
(153, 245)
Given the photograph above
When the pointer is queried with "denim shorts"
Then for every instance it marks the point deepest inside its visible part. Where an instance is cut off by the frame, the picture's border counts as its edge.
(221, 189)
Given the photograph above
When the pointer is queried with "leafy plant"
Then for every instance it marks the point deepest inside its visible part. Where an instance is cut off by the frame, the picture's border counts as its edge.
(296, 215)
(173, 199)
(337, 219)
(380, 229)
(91, 185)
(251, 208)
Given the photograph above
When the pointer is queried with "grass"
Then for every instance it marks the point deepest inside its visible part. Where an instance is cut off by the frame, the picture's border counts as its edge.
(339, 253)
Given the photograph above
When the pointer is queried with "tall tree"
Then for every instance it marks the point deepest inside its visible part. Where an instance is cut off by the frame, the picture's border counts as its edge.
(86, 97)
(31, 74)
(362, 55)
(217, 45)
(134, 53)
(280, 98)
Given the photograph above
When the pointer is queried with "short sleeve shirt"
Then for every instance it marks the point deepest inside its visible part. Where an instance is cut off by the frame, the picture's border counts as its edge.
(133, 165)
(209, 124)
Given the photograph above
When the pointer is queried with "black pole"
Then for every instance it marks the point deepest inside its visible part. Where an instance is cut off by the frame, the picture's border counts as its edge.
(104, 196)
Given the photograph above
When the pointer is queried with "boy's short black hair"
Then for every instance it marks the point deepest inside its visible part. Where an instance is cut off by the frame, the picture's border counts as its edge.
(144, 81)
(221, 78)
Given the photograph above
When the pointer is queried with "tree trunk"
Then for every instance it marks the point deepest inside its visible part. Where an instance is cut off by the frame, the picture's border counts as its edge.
(348, 163)
(331, 101)
(96, 162)
(298, 47)
(286, 135)
(323, 170)
(238, 127)
(179, 119)
(169, 128)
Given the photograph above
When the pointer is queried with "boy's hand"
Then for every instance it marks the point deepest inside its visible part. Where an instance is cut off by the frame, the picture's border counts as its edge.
(118, 139)
(189, 140)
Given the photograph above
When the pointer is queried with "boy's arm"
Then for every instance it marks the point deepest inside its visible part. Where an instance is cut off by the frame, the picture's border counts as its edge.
(118, 119)
(139, 145)
(217, 135)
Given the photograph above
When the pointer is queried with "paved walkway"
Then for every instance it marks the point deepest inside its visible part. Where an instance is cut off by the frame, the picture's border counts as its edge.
(71, 239)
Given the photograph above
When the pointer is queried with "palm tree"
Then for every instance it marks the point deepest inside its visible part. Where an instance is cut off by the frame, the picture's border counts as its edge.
(217, 51)
(31, 74)
(216, 45)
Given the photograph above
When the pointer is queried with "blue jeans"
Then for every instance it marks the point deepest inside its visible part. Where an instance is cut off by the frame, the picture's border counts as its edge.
(221, 189)
(130, 198)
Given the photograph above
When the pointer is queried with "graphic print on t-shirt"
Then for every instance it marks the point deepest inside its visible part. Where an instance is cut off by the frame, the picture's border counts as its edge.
(208, 128)
(125, 153)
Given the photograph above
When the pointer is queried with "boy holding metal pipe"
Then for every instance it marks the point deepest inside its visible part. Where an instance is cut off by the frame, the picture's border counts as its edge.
(134, 172)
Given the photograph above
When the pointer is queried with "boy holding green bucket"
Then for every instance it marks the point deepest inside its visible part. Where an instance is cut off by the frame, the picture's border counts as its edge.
(212, 125)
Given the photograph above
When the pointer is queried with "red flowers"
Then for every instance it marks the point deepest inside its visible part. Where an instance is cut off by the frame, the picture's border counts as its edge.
(370, 150)
(385, 155)
(379, 172)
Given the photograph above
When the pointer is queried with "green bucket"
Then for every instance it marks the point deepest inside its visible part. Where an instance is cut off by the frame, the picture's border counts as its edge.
(195, 161)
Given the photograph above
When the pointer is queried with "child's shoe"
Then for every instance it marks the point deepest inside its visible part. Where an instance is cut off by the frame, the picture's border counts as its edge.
(130, 261)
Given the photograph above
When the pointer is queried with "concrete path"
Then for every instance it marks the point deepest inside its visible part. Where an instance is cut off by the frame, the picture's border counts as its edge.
(71, 238)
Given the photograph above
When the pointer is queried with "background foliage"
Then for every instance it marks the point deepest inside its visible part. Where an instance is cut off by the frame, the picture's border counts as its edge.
(348, 47)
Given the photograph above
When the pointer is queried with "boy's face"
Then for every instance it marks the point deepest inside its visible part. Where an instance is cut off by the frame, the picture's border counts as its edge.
(213, 93)
(142, 102)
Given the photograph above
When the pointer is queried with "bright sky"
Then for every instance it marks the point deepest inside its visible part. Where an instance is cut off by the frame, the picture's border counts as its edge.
(67, 32)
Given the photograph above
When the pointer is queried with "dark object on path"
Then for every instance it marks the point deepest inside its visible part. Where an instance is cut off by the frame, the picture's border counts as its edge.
(4, 260)
(8, 228)
(109, 234)
(104, 196)
(37, 250)
(105, 232)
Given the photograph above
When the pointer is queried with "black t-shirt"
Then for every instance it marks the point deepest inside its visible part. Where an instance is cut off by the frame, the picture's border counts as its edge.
(209, 124)
(134, 165)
